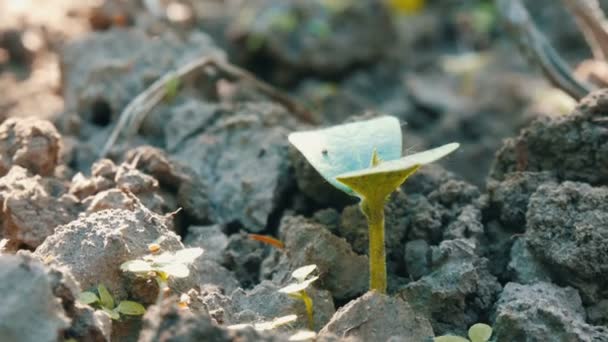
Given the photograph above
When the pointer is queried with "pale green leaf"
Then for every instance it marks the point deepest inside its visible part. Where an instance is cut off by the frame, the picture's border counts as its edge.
(377, 182)
(297, 287)
(105, 298)
(301, 273)
(175, 270)
(113, 314)
(345, 148)
(127, 307)
(136, 266)
(480, 332)
(88, 298)
(450, 338)
(188, 255)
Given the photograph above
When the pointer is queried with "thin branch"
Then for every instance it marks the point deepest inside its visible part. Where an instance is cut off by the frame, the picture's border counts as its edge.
(592, 22)
(135, 112)
(535, 46)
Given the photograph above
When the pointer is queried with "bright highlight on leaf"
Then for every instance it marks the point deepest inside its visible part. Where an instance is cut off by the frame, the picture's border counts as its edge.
(297, 287)
(301, 273)
(263, 326)
(167, 264)
(88, 298)
(302, 335)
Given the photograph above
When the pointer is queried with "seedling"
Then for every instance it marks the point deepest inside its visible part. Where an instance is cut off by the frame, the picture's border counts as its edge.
(297, 290)
(103, 300)
(264, 326)
(364, 159)
(477, 333)
(163, 266)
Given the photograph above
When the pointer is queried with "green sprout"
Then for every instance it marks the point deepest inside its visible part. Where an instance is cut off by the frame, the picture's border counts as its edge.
(364, 159)
(264, 326)
(477, 333)
(163, 266)
(297, 290)
(103, 300)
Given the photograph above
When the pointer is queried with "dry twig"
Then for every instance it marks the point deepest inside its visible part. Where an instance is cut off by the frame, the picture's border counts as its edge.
(136, 111)
(535, 46)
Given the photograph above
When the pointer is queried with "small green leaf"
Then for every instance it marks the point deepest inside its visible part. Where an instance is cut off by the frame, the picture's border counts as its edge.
(345, 148)
(105, 298)
(480, 332)
(301, 273)
(450, 338)
(188, 255)
(136, 266)
(171, 88)
(88, 298)
(113, 314)
(175, 270)
(127, 307)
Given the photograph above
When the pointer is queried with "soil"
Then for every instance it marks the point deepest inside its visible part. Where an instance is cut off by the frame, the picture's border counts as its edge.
(511, 230)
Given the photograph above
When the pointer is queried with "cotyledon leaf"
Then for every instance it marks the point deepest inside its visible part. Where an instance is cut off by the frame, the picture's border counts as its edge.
(378, 181)
(105, 298)
(480, 332)
(346, 148)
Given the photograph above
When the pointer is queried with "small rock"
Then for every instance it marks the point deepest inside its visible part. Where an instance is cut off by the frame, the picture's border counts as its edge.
(30, 143)
(264, 302)
(458, 291)
(377, 317)
(417, 255)
(210, 238)
(243, 157)
(343, 272)
(94, 246)
(244, 257)
(212, 273)
(33, 206)
(543, 312)
(567, 229)
(510, 196)
(29, 311)
(524, 267)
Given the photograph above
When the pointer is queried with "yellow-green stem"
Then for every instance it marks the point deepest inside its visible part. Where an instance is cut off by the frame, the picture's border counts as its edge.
(374, 212)
(308, 303)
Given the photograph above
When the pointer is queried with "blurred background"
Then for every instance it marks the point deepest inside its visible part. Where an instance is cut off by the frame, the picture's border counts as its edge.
(447, 68)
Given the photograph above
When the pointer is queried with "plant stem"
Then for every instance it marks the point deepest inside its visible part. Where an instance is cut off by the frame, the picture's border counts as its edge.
(162, 286)
(374, 212)
(308, 303)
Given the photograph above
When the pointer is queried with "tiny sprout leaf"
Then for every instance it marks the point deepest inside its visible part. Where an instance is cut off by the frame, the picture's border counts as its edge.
(113, 314)
(136, 266)
(88, 298)
(188, 255)
(301, 273)
(302, 335)
(480, 332)
(175, 270)
(345, 148)
(127, 307)
(105, 298)
(297, 287)
(450, 338)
